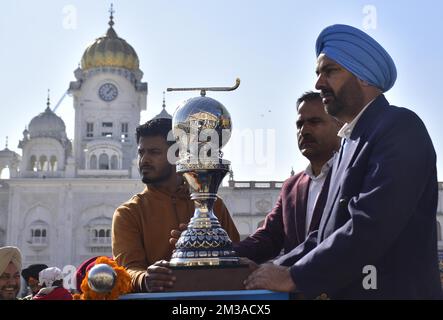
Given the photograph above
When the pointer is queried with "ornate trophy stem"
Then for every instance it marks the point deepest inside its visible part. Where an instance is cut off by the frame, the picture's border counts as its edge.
(205, 242)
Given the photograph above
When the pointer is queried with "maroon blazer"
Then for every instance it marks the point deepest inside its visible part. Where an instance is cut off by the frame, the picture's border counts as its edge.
(284, 227)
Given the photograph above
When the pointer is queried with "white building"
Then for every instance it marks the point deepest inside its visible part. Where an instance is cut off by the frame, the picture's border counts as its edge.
(58, 204)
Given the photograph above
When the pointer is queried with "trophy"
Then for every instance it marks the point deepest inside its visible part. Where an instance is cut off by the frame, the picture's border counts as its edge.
(203, 258)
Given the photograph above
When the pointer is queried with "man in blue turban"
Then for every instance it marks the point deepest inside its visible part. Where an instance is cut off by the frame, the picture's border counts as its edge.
(377, 238)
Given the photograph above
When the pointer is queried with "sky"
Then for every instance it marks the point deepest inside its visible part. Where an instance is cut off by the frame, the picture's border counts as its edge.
(269, 45)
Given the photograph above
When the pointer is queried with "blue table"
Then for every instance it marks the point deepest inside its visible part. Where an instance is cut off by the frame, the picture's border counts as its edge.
(209, 295)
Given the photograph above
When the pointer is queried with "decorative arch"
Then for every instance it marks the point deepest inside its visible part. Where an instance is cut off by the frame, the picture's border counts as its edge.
(36, 229)
(32, 163)
(93, 162)
(103, 162)
(38, 234)
(53, 163)
(107, 154)
(114, 162)
(5, 173)
(43, 154)
(43, 163)
(99, 230)
(93, 230)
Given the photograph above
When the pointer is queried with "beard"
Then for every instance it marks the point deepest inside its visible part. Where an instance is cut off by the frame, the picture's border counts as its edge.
(335, 107)
(347, 98)
(163, 175)
(11, 294)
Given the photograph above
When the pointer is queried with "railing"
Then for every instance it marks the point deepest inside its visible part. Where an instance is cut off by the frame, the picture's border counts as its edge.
(41, 174)
(101, 173)
(255, 184)
(100, 240)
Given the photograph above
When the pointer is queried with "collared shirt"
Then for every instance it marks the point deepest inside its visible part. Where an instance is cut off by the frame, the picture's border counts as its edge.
(346, 130)
(315, 187)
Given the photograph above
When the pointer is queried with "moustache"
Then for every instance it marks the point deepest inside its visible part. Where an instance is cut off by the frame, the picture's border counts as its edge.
(307, 139)
(326, 93)
(146, 167)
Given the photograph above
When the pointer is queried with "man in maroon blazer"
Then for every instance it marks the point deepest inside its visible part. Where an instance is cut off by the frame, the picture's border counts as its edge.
(300, 205)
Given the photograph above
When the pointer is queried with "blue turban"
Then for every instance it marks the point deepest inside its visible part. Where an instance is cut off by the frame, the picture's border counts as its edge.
(359, 54)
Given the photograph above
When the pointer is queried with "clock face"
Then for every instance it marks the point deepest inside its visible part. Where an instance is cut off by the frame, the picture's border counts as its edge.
(108, 92)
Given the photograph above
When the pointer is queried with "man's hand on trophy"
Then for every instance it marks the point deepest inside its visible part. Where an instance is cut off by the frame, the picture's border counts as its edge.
(252, 265)
(270, 277)
(159, 276)
(175, 234)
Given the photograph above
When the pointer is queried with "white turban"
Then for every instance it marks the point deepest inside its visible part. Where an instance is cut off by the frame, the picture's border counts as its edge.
(49, 275)
(10, 254)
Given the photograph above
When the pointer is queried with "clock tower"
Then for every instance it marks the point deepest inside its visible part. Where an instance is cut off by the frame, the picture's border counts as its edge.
(108, 97)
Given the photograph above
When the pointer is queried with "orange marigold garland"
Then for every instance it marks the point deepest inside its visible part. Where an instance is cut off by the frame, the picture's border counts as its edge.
(122, 284)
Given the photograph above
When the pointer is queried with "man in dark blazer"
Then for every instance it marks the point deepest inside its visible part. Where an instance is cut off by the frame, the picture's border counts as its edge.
(301, 201)
(377, 237)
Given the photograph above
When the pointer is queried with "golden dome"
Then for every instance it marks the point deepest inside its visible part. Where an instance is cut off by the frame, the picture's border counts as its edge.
(110, 51)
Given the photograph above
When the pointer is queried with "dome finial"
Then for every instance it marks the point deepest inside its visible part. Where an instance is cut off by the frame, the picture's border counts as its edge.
(6, 144)
(164, 103)
(48, 102)
(111, 17)
(292, 172)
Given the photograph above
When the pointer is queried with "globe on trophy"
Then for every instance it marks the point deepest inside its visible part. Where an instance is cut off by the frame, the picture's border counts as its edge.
(203, 258)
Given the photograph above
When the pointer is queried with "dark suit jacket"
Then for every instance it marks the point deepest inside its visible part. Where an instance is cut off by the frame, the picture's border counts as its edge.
(285, 226)
(383, 213)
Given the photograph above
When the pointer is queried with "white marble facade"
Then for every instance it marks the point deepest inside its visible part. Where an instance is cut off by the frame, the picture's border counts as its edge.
(65, 221)
(58, 203)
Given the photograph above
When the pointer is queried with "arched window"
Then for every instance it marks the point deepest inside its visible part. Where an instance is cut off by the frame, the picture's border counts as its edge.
(38, 234)
(5, 173)
(53, 163)
(103, 162)
(33, 163)
(43, 163)
(100, 235)
(93, 162)
(114, 162)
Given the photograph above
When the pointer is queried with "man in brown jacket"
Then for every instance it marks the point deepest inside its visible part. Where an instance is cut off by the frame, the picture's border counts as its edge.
(141, 227)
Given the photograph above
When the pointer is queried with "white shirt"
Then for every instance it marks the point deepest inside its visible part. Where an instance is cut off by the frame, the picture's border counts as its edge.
(315, 187)
(346, 130)
(344, 133)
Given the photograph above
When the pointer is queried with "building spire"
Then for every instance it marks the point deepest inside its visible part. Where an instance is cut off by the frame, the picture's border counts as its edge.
(48, 102)
(292, 172)
(6, 144)
(163, 114)
(111, 17)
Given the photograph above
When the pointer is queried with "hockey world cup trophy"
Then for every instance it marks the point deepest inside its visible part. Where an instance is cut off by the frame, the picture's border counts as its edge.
(201, 127)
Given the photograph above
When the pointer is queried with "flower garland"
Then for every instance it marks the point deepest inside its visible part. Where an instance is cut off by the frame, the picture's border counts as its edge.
(122, 284)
